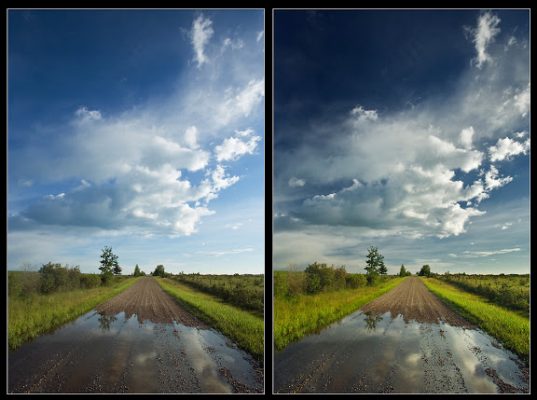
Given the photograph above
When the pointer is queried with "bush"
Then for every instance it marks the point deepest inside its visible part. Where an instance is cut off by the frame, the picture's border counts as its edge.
(313, 283)
(88, 281)
(373, 279)
(23, 284)
(107, 277)
(55, 278)
(354, 281)
(280, 284)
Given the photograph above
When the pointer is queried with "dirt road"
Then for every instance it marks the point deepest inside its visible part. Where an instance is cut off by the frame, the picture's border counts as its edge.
(406, 341)
(164, 349)
(414, 301)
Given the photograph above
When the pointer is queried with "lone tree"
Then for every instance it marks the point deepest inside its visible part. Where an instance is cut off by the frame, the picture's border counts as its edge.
(137, 271)
(402, 271)
(159, 271)
(375, 264)
(425, 271)
(109, 265)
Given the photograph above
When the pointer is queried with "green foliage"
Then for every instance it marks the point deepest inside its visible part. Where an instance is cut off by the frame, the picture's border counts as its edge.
(511, 328)
(425, 271)
(315, 279)
(375, 264)
(511, 291)
(297, 316)
(289, 283)
(372, 278)
(35, 314)
(23, 284)
(355, 281)
(403, 271)
(137, 271)
(109, 264)
(321, 277)
(245, 328)
(245, 291)
(88, 281)
(56, 278)
(117, 270)
(159, 271)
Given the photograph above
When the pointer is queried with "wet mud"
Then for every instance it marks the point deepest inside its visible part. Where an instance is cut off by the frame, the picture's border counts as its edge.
(403, 342)
(139, 342)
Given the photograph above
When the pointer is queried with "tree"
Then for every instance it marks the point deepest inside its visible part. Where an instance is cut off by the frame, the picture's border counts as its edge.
(375, 264)
(382, 269)
(137, 271)
(402, 271)
(159, 271)
(109, 265)
(117, 270)
(425, 271)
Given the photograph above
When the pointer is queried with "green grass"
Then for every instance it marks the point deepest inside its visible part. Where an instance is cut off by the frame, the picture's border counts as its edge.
(245, 291)
(298, 316)
(509, 291)
(245, 328)
(35, 314)
(507, 326)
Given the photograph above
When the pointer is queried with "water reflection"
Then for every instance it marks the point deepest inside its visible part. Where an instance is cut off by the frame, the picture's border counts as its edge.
(153, 357)
(370, 352)
(371, 319)
(105, 321)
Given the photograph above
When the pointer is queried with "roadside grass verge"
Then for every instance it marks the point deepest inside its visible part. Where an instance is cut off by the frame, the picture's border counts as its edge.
(298, 316)
(245, 328)
(509, 327)
(36, 314)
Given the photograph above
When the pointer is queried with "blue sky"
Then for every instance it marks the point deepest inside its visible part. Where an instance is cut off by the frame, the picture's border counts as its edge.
(140, 130)
(407, 130)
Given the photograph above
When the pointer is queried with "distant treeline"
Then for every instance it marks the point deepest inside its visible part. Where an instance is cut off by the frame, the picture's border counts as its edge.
(245, 291)
(511, 291)
(52, 278)
(318, 278)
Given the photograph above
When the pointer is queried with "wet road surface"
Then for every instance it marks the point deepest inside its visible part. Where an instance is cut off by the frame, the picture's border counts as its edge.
(406, 341)
(141, 341)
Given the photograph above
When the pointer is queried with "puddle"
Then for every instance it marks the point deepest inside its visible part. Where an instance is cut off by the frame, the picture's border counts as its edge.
(117, 353)
(380, 354)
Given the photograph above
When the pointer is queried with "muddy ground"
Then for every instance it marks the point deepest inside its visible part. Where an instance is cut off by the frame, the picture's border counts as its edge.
(406, 341)
(141, 341)
(414, 301)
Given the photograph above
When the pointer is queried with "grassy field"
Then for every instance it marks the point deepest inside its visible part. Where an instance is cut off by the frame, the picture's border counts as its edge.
(244, 291)
(510, 291)
(295, 317)
(507, 326)
(245, 328)
(36, 313)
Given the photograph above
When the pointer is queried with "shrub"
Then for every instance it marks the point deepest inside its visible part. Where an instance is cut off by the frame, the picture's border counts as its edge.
(88, 281)
(23, 284)
(313, 283)
(55, 278)
(354, 281)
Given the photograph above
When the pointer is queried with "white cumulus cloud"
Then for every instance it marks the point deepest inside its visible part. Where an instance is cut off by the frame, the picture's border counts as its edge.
(506, 148)
(493, 180)
(236, 146)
